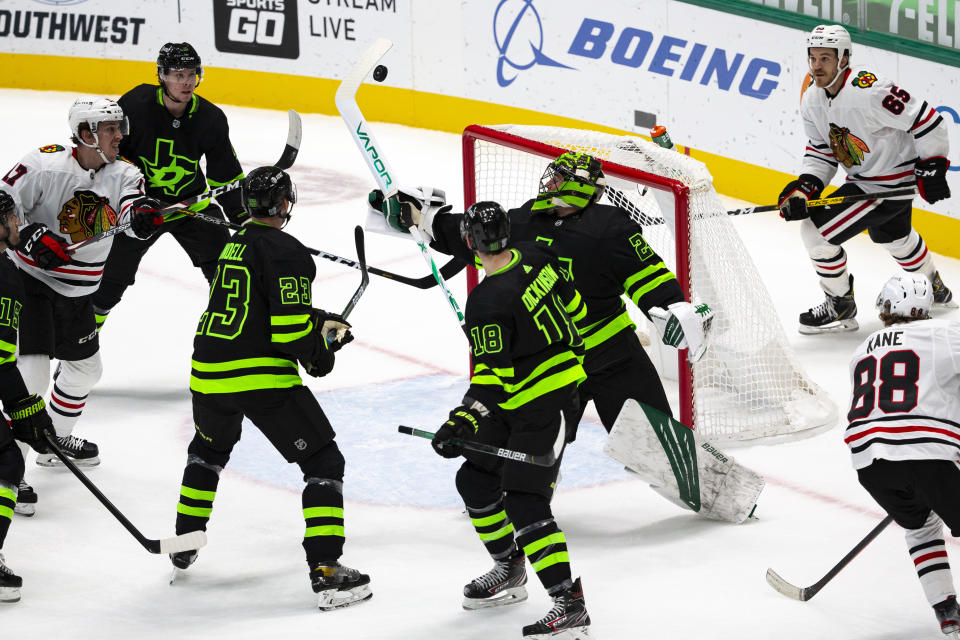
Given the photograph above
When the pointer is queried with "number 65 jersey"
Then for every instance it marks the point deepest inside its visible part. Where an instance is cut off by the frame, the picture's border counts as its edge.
(906, 394)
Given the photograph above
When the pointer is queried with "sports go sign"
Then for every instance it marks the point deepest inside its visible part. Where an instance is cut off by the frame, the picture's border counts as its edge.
(257, 27)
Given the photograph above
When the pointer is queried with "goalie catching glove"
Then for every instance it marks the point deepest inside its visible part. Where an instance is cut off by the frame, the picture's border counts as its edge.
(335, 332)
(684, 326)
(463, 424)
(410, 207)
(793, 199)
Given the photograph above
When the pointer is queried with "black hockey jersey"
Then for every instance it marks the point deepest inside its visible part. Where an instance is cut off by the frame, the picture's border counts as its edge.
(12, 387)
(520, 321)
(258, 321)
(168, 150)
(603, 250)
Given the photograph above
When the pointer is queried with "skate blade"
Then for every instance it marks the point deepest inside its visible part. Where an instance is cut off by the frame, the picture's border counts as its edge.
(10, 594)
(55, 462)
(173, 575)
(833, 327)
(25, 509)
(946, 305)
(337, 599)
(515, 595)
(577, 633)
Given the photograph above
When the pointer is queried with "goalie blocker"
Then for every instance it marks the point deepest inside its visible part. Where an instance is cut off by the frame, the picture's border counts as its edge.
(681, 466)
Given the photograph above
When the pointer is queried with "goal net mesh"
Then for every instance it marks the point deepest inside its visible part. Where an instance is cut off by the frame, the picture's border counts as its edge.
(749, 384)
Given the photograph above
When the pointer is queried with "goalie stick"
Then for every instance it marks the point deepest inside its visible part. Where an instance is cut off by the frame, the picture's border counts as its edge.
(805, 593)
(546, 460)
(286, 160)
(370, 149)
(182, 542)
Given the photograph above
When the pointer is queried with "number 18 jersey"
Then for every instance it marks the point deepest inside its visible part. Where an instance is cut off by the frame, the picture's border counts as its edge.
(906, 394)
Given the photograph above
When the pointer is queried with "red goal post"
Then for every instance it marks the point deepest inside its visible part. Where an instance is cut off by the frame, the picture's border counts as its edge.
(737, 391)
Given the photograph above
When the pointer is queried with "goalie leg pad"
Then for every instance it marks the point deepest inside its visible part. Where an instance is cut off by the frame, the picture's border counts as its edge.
(682, 466)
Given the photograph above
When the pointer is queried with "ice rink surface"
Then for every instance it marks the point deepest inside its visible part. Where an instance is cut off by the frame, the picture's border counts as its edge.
(649, 569)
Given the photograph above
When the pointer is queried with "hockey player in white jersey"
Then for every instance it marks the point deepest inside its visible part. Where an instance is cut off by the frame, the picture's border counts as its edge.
(885, 138)
(66, 195)
(904, 430)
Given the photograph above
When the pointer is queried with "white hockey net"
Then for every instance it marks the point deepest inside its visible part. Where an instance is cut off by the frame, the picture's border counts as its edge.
(749, 384)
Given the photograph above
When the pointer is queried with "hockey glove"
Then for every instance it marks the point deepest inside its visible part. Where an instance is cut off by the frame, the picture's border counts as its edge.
(145, 218)
(332, 328)
(932, 179)
(46, 248)
(29, 420)
(411, 207)
(463, 424)
(684, 326)
(793, 199)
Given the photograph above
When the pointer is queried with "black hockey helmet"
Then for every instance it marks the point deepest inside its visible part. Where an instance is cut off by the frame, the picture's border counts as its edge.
(264, 190)
(485, 227)
(7, 206)
(178, 55)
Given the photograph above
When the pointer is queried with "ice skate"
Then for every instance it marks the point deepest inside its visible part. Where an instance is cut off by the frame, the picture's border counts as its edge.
(338, 585)
(942, 296)
(81, 452)
(568, 619)
(181, 560)
(948, 615)
(502, 585)
(26, 500)
(10, 583)
(835, 314)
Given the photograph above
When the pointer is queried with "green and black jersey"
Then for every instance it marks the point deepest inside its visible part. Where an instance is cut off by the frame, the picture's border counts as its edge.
(520, 321)
(168, 150)
(604, 251)
(12, 387)
(258, 323)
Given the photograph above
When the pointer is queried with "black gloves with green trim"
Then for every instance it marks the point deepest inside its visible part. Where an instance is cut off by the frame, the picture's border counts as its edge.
(463, 424)
(29, 421)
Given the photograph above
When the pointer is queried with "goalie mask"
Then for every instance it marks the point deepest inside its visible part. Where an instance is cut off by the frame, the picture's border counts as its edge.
(572, 180)
(485, 227)
(264, 191)
(906, 296)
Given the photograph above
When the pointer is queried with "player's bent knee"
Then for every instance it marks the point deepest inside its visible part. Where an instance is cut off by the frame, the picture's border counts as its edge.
(35, 369)
(525, 508)
(326, 462)
(477, 485)
(81, 373)
(200, 452)
(817, 246)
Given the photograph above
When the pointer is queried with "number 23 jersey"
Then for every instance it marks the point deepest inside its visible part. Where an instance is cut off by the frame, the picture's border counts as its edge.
(906, 394)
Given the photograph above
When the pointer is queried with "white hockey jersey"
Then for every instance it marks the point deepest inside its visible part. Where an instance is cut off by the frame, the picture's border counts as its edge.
(906, 394)
(51, 187)
(875, 129)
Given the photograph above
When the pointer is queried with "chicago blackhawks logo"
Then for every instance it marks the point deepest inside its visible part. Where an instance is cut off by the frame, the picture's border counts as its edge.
(847, 148)
(85, 215)
(864, 80)
(51, 148)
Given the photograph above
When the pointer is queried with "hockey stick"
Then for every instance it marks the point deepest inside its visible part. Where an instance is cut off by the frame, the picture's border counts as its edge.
(287, 157)
(346, 101)
(805, 593)
(546, 460)
(823, 202)
(182, 542)
(450, 269)
(364, 280)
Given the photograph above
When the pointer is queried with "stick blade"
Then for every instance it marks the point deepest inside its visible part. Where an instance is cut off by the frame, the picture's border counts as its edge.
(294, 135)
(348, 88)
(183, 542)
(782, 586)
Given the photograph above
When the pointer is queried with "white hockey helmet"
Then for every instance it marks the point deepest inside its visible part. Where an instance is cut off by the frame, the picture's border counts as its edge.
(831, 36)
(909, 295)
(93, 110)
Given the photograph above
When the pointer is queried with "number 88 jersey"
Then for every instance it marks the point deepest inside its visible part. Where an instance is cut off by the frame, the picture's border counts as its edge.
(905, 401)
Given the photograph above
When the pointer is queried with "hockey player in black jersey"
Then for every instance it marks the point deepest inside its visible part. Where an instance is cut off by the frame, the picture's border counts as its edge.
(28, 416)
(523, 395)
(171, 129)
(258, 325)
(604, 251)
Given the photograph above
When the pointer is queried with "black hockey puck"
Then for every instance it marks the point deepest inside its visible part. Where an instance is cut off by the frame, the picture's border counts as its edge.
(380, 73)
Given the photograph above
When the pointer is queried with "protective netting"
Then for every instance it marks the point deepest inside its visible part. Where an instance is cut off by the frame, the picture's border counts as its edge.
(749, 384)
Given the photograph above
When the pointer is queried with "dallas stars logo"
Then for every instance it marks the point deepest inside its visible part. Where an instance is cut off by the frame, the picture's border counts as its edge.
(174, 175)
